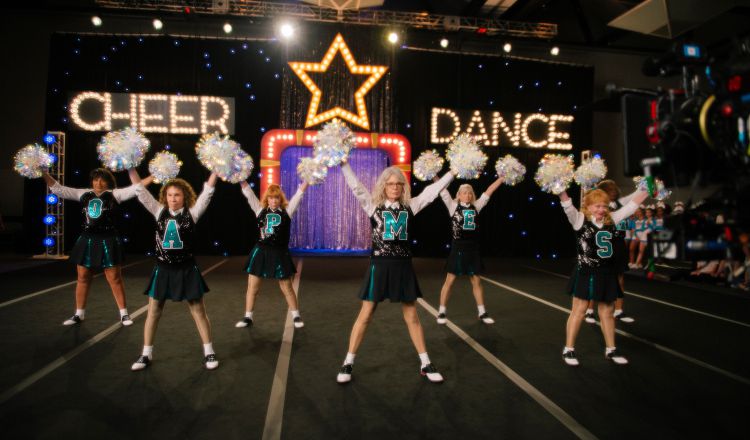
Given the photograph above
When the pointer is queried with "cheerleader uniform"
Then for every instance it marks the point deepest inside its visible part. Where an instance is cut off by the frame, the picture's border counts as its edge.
(176, 275)
(619, 247)
(99, 245)
(270, 258)
(465, 257)
(391, 275)
(595, 275)
(642, 229)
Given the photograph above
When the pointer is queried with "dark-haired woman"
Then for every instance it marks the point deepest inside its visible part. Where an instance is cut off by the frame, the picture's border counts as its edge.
(99, 245)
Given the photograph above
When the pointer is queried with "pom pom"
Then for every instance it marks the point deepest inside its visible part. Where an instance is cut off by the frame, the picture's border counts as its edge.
(122, 149)
(428, 165)
(653, 186)
(591, 172)
(32, 160)
(311, 170)
(510, 170)
(466, 158)
(164, 166)
(242, 166)
(555, 173)
(333, 143)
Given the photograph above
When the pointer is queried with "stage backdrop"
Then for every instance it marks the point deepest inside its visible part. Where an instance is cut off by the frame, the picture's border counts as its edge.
(267, 94)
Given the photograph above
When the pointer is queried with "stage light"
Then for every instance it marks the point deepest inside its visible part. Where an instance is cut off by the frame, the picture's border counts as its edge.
(507, 47)
(286, 30)
(444, 43)
(392, 37)
(96, 21)
(50, 139)
(227, 28)
(53, 157)
(51, 199)
(49, 242)
(49, 219)
(555, 51)
(157, 24)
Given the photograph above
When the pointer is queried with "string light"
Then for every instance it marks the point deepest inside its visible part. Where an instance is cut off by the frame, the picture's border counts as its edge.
(507, 47)
(227, 28)
(157, 24)
(444, 43)
(96, 21)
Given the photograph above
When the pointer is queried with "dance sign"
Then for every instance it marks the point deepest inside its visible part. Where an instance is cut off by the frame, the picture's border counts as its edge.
(152, 113)
(491, 128)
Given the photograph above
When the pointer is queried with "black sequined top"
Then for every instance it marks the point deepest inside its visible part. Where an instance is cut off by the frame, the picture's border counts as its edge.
(275, 227)
(98, 212)
(464, 223)
(175, 235)
(594, 245)
(390, 232)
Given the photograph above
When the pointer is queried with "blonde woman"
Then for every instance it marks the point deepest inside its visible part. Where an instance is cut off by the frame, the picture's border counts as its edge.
(390, 274)
(465, 257)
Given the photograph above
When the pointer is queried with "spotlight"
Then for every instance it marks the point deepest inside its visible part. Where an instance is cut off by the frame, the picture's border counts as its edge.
(227, 28)
(157, 24)
(51, 199)
(555, 51)
(392, 37)
(444, 43)
(49, 242)
(50, 139)
(49, 219)
(286, 30)
(507, 47)
(96, 21)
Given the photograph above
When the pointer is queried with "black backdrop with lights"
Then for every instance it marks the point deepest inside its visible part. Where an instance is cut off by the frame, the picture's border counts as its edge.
(519, 221)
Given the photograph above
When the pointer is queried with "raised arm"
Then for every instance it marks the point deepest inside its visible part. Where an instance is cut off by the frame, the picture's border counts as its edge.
(147, 200)
(294, 203)
(447, 200)
(65, 192)
(204, 199)
(485, 197)
(628, 210)
(252, 199)
(574, 216)
(625, 199)
(359, 190)
(430, 193)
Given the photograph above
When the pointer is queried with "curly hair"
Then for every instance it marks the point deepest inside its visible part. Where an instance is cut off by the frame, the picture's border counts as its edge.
(104, 174)
(187, 191)
(274, 191)
(470, 189)
(596, 196)
(378, 193)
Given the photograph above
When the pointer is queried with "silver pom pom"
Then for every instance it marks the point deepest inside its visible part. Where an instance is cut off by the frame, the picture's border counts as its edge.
(466, 158)
(428, 165)
(242, 166)
(311, 170)
(224, 157)
(122, 149)
(164, 166)
(555, 173)
(32, 161)
(510, 170)
(590, 172)
(642, 184)
(333, 143)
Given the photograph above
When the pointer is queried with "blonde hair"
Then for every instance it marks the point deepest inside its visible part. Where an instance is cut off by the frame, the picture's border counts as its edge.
(470, 189)
(596, 196)
(187, 191)
(378, 193)
(274, 191)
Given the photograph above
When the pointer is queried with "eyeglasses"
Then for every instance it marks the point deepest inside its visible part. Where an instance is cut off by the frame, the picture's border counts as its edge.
(393, 184)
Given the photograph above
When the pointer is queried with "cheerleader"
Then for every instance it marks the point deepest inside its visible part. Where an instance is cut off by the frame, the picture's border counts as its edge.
(595, 275)
(390, 275)
(643, 228)
(98, 246)
(270, 257)
(639, 239)
(465, 258)
(176, 275)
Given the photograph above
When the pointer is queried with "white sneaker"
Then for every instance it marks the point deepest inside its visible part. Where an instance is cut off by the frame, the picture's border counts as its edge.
(345, 374)
(298, 323)
(126, 321)
(141, 363)
(616, 357)
(589, 317)
(431, 373)
(624, 318)
(75, 319)
(485, 318)
(570, 358)
(211, 362)
(246, 322)
(441, 319)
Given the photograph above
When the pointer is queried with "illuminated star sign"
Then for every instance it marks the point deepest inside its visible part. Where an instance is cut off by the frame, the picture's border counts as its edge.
(375, 73)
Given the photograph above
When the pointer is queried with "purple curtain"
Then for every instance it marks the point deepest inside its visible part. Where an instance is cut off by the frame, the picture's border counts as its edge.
(330, 218)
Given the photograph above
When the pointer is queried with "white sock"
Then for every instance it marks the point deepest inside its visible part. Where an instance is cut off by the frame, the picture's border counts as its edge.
(249, 315)
(295, 313)
(208, 349)
(148, 350)
(123, 312)
(609, 350)
(481, 310)
(441, 309)
(618, 312)
(349, 360)
(424, 358)
(589, 311)
(567, 349)
(81, 313)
